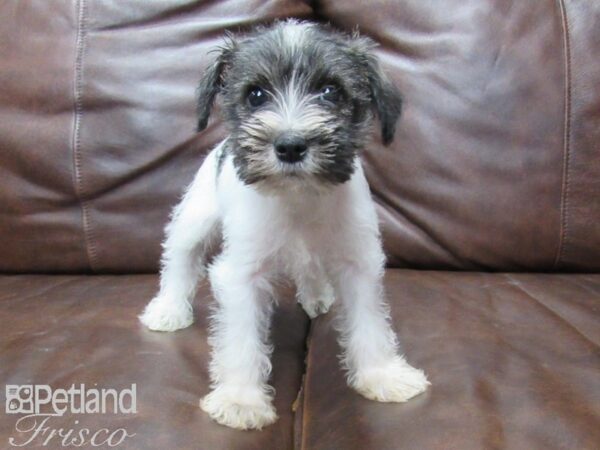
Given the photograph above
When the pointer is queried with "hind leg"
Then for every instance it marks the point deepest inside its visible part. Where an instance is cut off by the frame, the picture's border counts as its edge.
(314, 292)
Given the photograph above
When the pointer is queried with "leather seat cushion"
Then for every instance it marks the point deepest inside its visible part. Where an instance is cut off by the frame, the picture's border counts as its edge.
(514, 362)
(64, 330)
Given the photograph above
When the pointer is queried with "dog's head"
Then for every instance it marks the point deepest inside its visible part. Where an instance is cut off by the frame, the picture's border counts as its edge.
(299, 99)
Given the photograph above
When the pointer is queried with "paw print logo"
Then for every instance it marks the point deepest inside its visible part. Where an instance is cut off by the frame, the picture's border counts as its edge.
(19, 399)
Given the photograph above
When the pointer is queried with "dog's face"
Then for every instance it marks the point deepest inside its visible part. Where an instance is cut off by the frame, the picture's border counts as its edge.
(298, 99)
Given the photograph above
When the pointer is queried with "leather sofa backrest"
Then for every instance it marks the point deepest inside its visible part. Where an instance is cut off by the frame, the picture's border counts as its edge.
(495, 165)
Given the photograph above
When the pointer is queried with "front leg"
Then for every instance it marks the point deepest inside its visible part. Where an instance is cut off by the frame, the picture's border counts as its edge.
(240, 365)
(193, 229)
(370, 348)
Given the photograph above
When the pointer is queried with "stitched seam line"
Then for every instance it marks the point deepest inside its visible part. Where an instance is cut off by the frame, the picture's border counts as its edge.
(78, 180)
(564, 203)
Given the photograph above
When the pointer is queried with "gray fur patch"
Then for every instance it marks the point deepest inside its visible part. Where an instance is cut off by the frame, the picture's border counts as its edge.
(293, 63)
(222, 156)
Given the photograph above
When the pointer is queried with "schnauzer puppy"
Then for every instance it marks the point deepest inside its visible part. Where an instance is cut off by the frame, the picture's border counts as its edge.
(286, 194)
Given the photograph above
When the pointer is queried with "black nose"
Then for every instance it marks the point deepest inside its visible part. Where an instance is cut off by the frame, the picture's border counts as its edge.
(290, 148)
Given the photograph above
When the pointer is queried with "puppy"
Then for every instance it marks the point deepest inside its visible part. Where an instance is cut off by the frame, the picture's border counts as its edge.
(286, 194)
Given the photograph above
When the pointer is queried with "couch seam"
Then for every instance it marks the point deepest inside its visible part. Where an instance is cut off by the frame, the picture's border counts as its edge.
(77, 163)
(304, 385)
(564, 202)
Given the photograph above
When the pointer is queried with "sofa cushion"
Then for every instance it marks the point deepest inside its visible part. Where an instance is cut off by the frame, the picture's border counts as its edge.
(98, 125)
(514, 362)
(64, 330)
(495, 164)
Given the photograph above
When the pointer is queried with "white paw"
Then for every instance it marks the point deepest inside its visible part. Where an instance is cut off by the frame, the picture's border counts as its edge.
(316, 306)
(395, 382)
(239, 407)
(164, 315)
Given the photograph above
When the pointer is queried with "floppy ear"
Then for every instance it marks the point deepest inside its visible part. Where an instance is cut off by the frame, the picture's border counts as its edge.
(385, 98)
(386, 101)
(212, 80)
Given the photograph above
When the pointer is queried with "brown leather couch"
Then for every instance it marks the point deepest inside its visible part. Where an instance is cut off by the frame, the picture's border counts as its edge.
(489, 200)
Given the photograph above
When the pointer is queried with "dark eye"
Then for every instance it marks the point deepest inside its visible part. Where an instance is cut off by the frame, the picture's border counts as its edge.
(329, 93)
(256, 96)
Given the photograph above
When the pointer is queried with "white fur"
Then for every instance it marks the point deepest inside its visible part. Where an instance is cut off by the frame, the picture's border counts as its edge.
(326, 239)
(190, 233)
(294, 34)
